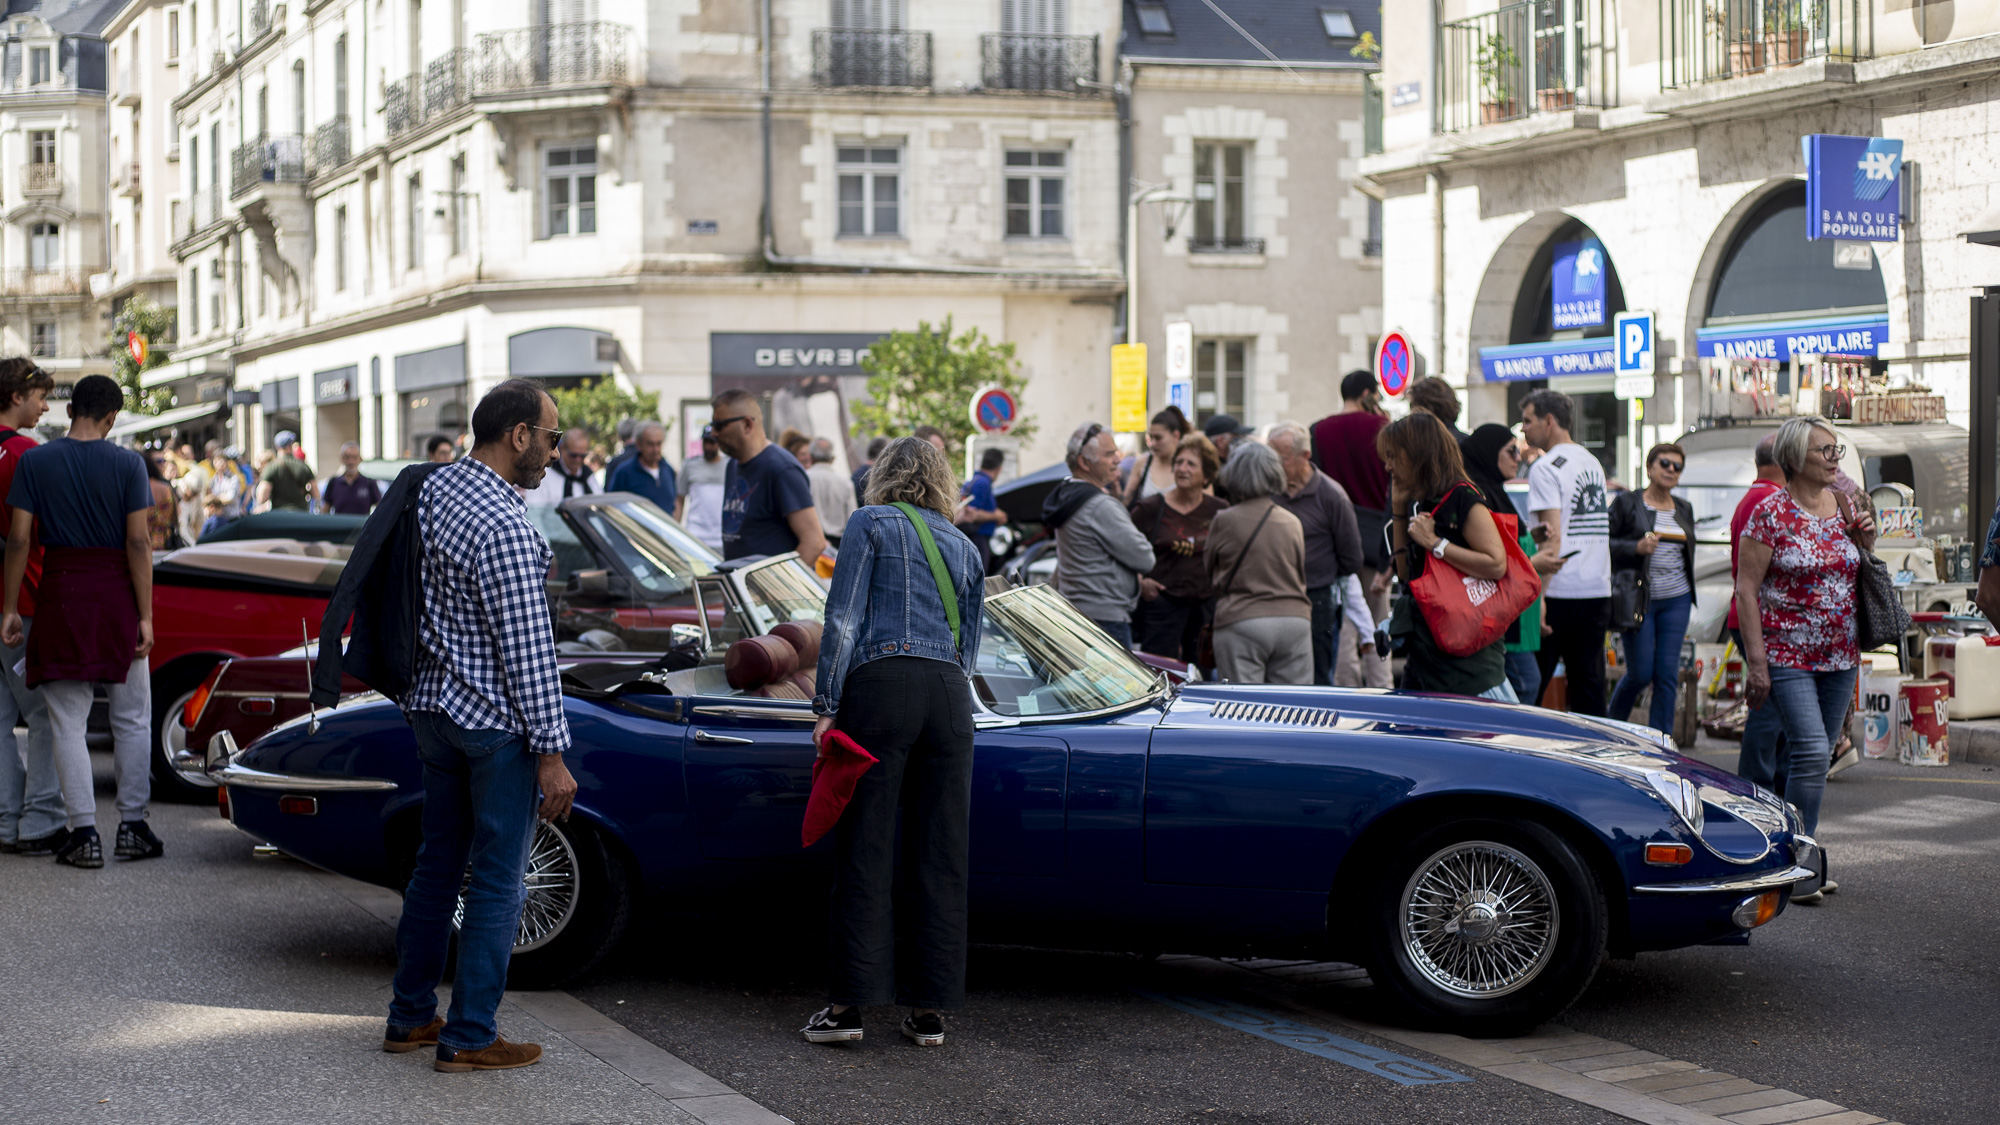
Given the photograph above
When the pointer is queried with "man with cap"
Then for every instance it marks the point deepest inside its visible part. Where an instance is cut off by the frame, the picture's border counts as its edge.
(1222, 430)
(287, 484)
(700, 505)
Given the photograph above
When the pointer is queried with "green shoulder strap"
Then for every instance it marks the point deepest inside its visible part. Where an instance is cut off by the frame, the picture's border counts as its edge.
(943, 576)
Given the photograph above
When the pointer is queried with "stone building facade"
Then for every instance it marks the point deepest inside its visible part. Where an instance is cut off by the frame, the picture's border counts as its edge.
(1670, 132)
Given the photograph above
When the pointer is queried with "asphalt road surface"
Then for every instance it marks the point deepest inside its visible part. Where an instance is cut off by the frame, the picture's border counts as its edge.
(208, 979)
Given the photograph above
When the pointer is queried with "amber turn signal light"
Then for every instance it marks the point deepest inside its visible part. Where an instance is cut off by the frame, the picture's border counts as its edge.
(299, 806)
(1668, 855)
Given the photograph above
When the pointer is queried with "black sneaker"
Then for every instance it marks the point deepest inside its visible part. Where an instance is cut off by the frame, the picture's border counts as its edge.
(926, 1030)
(84, 849)
(43, 845)
(136, 841)
(825, 1027)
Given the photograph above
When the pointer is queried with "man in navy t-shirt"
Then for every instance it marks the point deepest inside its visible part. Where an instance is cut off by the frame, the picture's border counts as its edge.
(767, 502)
(981, 512)
(87, 499)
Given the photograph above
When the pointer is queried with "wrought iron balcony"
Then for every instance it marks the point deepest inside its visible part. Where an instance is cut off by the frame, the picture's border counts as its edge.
(330, 147)
(1545, 56)
(1371, 247)
(1048, 64)
(268, 160)
(447, 82)
(41, 178)
(260, 17)
(1714, 40)
(1225, 245)
(54, 282)
(526, 59)
(402, 106)
(885, 59)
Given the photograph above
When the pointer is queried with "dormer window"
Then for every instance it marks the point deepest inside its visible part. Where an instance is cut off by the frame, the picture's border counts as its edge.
(1338, 22)
(38, 66)
(1153, 20)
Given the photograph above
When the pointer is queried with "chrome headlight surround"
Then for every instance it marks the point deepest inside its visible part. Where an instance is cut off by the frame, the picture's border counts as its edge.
(1663, 741)
(1681, 795)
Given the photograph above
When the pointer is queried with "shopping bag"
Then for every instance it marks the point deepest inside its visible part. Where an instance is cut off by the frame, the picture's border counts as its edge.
(836, 772)
(1466, 614)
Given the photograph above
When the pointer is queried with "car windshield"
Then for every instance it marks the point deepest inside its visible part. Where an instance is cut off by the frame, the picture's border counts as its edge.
(1713, 483)
(1039, 656)
(783, 591)
(662, 558)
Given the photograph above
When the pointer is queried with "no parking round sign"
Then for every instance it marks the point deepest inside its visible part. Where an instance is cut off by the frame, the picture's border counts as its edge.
(1395, 364)
(994, 410)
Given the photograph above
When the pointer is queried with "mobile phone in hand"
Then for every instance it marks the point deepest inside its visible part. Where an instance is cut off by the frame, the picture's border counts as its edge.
(1574, 553)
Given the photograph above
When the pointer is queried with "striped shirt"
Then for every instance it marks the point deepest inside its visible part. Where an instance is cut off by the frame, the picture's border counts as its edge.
(486, 654)
(1665, 575)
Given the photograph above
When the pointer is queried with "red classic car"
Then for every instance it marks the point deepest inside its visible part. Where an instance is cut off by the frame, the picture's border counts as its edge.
(623, 577)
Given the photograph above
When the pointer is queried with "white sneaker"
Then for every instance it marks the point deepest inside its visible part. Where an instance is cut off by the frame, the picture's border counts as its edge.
(1846, 761)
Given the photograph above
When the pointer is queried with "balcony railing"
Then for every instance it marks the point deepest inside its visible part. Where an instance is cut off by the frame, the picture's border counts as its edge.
(32, 282)
(402, 106)
(1713, 40)
(892, 59)
(204, 208)
(126, 178)
(553, 55)
(1225, 245)
(268, 160)
(1049, 64)
(41, 178)
(447, 82)
(330, 148)
(1545, 56)
(260, 17)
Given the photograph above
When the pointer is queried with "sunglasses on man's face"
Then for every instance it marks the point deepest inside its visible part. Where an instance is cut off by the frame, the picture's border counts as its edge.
(721, 424)
(1667, 466)
(555, 436)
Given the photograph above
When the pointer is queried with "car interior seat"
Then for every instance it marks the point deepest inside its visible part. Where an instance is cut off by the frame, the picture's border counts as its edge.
(762, 666)
(804, 637)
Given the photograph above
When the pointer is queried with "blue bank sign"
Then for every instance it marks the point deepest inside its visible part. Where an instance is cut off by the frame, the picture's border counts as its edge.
(1853, 187)
(1782, 340)
(1576, 285)
(1553, 360)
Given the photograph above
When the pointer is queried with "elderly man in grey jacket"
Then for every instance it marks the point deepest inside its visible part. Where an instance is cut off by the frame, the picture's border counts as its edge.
(1099, 554)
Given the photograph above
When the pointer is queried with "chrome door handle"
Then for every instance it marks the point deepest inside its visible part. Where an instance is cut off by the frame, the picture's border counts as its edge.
(704, 736)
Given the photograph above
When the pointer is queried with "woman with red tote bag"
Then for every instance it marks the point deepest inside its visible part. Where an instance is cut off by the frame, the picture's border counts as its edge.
(1439, 517)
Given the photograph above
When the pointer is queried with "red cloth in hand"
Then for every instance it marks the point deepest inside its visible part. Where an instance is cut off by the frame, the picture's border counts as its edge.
(836, 772)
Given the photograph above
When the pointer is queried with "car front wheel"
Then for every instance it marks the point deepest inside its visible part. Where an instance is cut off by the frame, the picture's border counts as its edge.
(1491, 927)
(577, 898)
(178, 772)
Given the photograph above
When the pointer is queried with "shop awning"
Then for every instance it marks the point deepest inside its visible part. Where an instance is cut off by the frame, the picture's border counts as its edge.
(1553, 359)
(1779, 340)
(146, 423)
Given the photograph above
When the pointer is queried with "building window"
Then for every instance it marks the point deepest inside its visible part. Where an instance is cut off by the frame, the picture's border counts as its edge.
(193, 305)
(1218, 378)
(42, 146)
(416, 222)
(44, 246)
(339, 249)
(571, 188)
(340, 76)
(871, 183)
(173, 35)
(1219, 197)
(457, 211)
(42, 338)
(299, 97)
(38, 66)
(1371, 247)
(1036, 186)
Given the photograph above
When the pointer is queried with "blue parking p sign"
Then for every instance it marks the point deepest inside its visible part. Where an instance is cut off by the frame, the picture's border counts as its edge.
(1632, 333)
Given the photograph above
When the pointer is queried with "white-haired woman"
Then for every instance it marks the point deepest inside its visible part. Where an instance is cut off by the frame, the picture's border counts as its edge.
(1257, 571)
(895, 663)
(1798, 564)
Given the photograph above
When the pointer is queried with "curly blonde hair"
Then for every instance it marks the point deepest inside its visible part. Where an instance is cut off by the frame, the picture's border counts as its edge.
(912, 471)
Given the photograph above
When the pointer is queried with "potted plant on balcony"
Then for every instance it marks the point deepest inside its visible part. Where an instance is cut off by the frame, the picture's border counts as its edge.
(1498, 67)
(1550, 65)
(1746, 50)
(1784, 32)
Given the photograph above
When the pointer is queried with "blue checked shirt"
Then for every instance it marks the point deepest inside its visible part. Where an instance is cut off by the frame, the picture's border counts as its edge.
(486, 654)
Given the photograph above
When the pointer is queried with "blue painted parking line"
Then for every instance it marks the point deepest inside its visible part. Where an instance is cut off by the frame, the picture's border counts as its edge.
(1400, 1069)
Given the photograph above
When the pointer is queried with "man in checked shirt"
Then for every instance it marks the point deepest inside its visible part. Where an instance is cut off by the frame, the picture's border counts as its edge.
(486, 706)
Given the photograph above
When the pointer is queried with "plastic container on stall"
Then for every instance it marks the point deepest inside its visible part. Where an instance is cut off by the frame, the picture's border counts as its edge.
(1970, 667)
(1880, 689)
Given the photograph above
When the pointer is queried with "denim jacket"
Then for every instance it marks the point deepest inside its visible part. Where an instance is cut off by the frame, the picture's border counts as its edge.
(884, 601)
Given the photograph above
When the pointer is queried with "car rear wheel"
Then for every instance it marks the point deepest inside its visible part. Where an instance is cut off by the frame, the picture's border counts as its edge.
(578, 898)
(1490, 926)
(177, 766)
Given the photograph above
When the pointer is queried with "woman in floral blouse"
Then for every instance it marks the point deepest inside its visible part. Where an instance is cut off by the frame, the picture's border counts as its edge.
(1800, 556)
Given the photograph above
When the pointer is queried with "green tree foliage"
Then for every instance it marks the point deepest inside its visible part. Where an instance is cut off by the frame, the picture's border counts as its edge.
(599, 405)
(156, 325)
(928, 377)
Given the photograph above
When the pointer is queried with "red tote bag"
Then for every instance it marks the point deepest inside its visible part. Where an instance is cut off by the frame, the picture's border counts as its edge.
(1466, 614)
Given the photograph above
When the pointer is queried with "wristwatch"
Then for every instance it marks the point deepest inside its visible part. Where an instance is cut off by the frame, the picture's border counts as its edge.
(1437, 552)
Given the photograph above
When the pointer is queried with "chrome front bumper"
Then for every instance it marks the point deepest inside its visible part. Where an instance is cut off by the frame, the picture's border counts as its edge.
(220, 764)
(1751, 884)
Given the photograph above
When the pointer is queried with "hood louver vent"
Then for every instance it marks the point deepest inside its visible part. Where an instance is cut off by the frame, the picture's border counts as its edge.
(1273, 714)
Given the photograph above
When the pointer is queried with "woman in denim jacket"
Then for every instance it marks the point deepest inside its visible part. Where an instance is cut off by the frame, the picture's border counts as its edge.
(892, 678)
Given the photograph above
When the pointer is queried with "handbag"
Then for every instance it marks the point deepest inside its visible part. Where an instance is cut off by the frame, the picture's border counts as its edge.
(1879, 616)
(1628, 600)
(1205, 646)
(1467, 614)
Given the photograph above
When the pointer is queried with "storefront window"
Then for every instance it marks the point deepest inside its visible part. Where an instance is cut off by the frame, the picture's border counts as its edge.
(428, 413)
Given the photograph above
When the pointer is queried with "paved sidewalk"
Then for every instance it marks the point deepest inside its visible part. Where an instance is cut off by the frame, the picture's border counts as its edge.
(208, 986)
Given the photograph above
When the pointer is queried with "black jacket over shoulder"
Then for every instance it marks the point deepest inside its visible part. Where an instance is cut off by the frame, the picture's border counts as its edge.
(1631, 519)
(382, 589)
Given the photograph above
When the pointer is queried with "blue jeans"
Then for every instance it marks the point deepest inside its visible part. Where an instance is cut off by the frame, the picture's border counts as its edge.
(1653, 655)
(1121, 631)
(1812, 705)
(31, 801)
(479, 806)
(1524, 674)
(1762, 757)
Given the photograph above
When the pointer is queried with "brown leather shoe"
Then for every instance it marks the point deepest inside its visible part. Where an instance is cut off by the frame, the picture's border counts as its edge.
(500, 1055)
(399, 1042)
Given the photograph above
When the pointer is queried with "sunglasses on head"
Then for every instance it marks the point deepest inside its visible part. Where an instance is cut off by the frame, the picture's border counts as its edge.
(1090, 434)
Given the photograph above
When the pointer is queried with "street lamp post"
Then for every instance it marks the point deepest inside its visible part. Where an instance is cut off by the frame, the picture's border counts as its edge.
(1177, 208)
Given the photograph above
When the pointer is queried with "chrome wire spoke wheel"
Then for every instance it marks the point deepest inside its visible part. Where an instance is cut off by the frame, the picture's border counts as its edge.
(1479, 919)
(550, 885)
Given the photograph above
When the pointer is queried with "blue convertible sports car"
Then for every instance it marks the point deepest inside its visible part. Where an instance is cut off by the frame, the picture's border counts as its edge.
(1480, 859)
